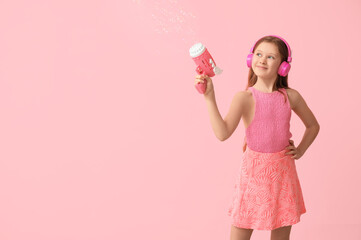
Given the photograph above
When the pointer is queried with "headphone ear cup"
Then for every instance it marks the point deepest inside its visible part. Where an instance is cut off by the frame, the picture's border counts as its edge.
(249, 60)
(284, 69)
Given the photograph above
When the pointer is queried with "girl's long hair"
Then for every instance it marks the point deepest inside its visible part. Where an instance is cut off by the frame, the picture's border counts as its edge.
(281, 82)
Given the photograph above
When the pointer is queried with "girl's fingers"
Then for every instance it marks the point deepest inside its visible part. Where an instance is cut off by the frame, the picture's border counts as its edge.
(200, 79)
(291, 151)
(294, 154)
(201, 76)
(198, 82)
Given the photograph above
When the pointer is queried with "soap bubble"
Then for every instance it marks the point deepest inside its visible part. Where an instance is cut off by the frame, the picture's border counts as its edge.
(169, 17)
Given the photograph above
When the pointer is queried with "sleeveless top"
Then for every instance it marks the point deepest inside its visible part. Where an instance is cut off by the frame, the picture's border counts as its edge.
(269, 130)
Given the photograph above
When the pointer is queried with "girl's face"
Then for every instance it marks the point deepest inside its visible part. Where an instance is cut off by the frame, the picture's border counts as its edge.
(266, 60)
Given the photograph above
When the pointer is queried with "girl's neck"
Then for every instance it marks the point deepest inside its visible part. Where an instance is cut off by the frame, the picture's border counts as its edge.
(264, 87)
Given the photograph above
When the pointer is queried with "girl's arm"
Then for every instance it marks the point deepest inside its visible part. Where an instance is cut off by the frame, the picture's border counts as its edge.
(223, 129)
(305, 114)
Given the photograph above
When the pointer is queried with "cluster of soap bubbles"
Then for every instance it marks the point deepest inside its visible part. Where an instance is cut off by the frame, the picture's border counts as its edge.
(170, 18)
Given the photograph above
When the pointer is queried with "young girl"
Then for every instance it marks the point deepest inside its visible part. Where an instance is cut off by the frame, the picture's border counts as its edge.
(267, 193)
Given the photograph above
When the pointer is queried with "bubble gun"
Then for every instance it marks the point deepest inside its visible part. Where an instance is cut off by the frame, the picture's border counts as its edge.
(205, 64)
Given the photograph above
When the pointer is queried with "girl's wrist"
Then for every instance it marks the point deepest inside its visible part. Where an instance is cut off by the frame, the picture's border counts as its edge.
(301, 150)
(210, 96)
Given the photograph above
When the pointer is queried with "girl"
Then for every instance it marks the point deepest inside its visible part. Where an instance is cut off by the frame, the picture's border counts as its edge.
(267, 193)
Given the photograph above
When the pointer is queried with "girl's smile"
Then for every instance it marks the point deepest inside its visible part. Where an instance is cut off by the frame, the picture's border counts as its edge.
(261, 67)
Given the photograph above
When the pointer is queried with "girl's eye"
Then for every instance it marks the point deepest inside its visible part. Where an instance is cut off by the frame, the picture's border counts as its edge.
(268, 56)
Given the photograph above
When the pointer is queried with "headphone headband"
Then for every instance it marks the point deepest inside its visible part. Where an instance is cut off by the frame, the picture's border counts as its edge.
(289, 59)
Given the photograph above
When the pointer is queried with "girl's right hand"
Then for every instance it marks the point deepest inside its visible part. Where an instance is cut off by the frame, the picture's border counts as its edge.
(209, 89)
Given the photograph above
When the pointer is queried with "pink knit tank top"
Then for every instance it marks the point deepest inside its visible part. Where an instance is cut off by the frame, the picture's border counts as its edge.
(269, 130)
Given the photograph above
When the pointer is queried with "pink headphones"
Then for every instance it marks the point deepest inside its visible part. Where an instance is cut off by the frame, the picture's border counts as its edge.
(285, 65)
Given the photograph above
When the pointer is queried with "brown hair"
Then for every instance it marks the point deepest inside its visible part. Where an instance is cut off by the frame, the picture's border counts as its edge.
(281, 82)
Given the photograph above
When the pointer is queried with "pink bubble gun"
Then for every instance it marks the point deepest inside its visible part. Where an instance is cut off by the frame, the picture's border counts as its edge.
(205, 64)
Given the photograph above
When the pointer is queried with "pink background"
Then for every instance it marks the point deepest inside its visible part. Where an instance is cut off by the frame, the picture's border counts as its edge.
(103, 135)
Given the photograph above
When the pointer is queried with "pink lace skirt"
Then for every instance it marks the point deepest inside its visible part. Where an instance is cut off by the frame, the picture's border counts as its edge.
(267, 193)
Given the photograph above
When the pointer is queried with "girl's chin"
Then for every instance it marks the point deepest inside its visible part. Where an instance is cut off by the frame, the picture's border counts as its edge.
(261, 71)
(261, 74)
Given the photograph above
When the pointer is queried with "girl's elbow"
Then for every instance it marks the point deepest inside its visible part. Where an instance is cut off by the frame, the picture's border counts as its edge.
(223, 138)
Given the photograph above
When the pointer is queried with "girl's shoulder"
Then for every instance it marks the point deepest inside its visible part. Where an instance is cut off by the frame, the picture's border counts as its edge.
(293, 96)
(247, 94)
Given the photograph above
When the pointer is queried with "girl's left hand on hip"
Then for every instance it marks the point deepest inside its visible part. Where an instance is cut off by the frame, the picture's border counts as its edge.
(297, 153)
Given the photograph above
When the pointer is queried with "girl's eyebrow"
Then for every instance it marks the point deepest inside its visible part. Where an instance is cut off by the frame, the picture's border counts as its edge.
(270, 53)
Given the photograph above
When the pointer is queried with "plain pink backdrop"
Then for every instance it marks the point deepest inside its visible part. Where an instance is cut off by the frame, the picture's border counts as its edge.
(103, 135)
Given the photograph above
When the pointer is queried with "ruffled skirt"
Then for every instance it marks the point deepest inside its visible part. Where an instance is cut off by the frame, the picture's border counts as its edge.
(267, 193)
